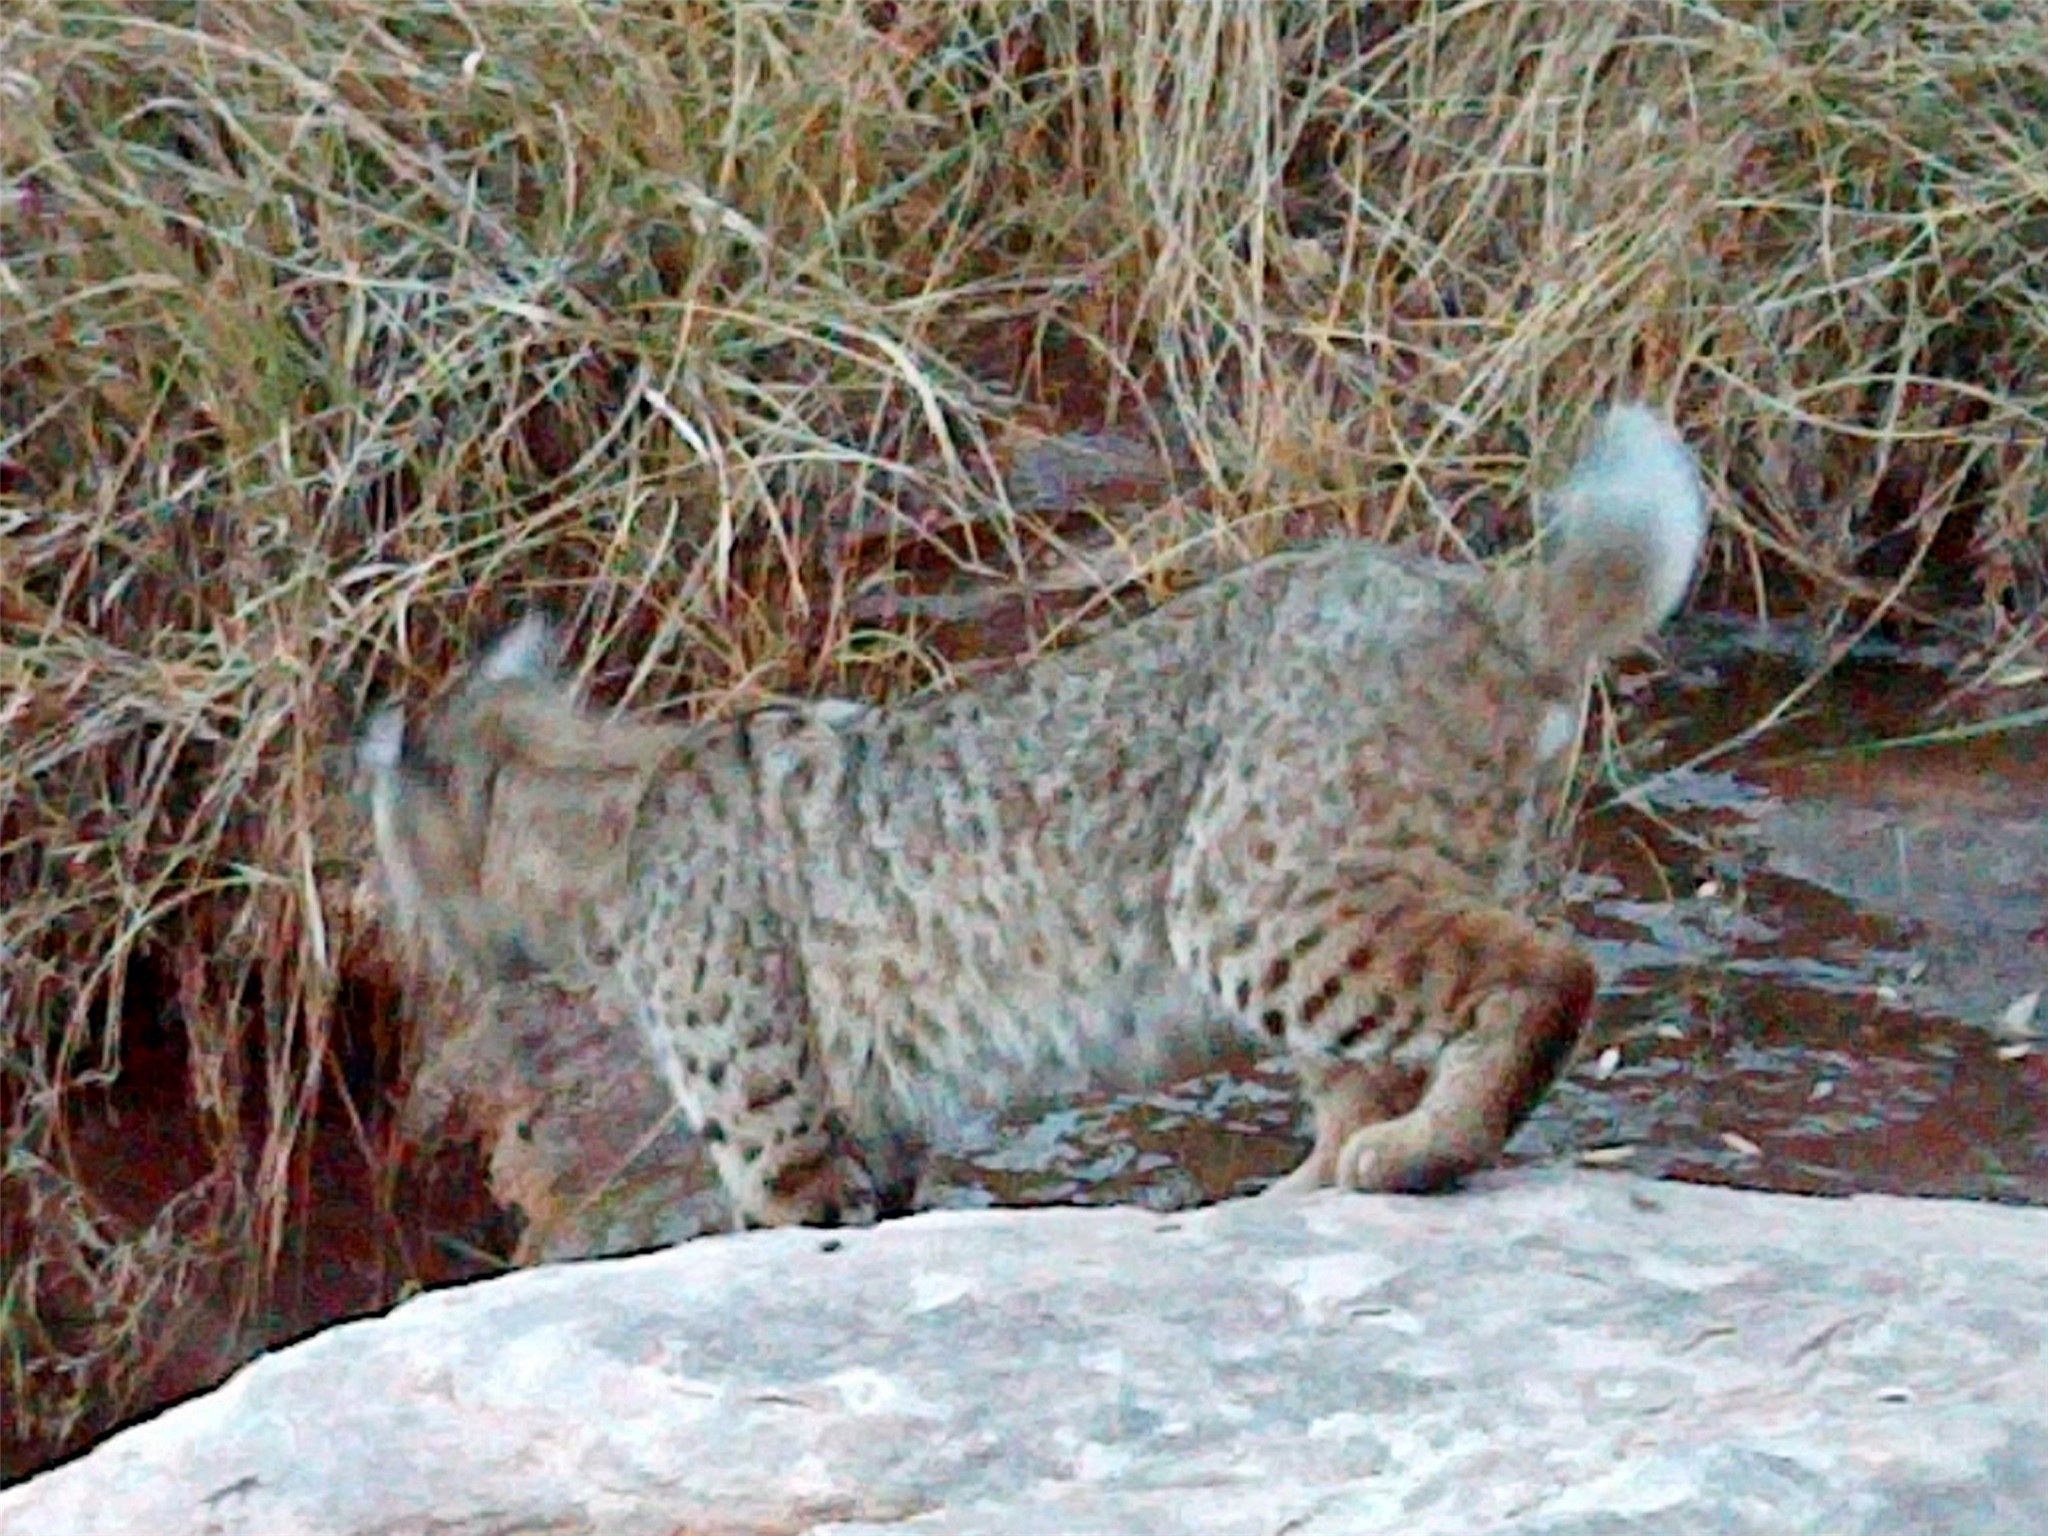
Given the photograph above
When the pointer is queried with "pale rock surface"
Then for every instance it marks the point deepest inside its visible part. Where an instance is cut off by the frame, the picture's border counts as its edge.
(1571, 1353)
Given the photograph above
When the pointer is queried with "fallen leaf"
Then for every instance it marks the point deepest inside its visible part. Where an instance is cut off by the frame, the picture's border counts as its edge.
(1607, 1157)
(2019, 1015)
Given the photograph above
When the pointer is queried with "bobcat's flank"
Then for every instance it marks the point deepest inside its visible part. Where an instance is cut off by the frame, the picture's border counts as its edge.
(1303, 801)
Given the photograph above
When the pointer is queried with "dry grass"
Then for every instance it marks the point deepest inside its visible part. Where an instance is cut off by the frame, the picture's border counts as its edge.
(760, 340)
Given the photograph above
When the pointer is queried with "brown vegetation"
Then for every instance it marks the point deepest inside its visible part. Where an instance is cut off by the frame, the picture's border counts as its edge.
(795, 348)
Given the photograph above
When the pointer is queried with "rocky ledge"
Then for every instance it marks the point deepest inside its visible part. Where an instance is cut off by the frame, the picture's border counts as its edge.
(1575, 1353)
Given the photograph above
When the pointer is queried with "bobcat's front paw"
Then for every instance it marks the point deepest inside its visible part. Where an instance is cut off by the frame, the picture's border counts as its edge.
(827, 1191)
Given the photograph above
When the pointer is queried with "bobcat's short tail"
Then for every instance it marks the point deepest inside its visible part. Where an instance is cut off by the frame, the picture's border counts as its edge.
(1621, 537)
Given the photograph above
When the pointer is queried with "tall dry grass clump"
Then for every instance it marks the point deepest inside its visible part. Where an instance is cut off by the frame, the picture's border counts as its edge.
(812, 346)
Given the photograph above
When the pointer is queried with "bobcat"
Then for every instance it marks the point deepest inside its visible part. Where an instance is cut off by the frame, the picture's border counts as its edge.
(1303, 801)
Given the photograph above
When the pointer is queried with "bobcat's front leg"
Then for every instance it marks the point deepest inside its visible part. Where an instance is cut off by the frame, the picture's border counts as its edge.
(731, 1029)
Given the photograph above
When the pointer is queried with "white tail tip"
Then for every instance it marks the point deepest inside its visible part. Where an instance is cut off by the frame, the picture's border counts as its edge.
(1626, 531)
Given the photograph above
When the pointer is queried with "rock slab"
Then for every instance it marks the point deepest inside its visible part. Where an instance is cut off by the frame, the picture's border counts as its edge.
(1571, 1353)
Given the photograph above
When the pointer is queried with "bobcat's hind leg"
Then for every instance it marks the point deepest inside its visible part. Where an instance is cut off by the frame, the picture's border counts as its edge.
(1425, 1027)
(1517, 1040)
(1345, 1097)
(1491, 1009)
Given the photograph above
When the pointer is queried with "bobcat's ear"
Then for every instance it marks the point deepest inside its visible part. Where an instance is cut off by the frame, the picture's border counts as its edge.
(525, 652)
